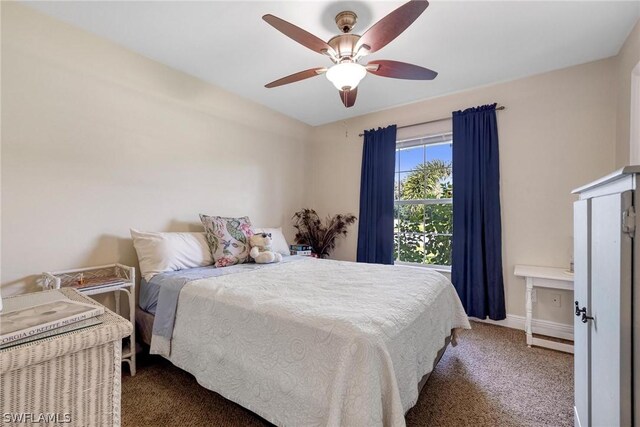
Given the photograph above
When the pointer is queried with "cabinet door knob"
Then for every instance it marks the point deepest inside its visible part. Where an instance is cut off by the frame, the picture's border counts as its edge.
(579, 310)
(585, 318)
(582, 311)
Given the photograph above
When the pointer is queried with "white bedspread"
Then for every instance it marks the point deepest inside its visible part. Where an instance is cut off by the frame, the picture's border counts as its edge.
(317, 342)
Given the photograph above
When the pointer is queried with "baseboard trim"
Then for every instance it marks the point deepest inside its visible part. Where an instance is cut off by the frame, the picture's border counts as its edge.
(542, 327)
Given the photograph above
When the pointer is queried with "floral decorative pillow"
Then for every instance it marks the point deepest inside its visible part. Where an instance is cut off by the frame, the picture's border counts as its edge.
(228, 239)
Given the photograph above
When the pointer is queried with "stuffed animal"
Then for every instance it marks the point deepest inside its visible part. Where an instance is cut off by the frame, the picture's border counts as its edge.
(261, 249)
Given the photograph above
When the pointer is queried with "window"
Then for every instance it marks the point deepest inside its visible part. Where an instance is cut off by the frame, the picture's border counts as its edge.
(423, 206)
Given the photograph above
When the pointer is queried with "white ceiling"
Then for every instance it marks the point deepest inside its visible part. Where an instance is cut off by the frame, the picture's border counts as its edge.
(470, 44)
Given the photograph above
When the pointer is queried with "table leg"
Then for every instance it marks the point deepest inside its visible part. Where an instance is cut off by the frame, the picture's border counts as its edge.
(116, 295)
(529, 311)
(132, 339)
(130, 357)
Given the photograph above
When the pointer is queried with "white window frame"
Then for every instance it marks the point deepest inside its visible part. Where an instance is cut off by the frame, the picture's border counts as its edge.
(437, 139)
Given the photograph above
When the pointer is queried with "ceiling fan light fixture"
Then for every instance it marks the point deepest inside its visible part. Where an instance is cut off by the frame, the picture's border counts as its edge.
(346, 75)
(346, 49)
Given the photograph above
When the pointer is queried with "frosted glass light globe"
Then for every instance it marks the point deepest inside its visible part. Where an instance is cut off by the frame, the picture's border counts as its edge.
(346, 75)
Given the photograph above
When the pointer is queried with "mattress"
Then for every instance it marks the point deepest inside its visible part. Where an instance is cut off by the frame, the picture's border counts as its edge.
(150, 291)
(148, 297)
(144, 324)
(316, 342)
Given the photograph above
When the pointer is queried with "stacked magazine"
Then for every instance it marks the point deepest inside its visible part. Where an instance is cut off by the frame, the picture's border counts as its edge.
(304, 250)
(96, 282)
(31, 317)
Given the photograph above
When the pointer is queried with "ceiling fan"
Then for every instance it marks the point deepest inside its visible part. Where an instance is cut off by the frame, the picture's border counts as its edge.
(346, 50)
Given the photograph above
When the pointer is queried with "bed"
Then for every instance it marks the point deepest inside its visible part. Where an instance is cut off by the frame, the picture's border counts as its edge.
(305, 341)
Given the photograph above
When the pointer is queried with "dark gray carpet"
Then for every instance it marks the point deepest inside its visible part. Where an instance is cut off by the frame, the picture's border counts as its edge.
(490, 379)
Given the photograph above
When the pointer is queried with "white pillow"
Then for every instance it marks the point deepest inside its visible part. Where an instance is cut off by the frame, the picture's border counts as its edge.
(162, 252)
(278, 242)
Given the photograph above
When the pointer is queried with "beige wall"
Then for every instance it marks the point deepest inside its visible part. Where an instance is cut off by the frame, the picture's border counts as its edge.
(556, 134)
(97, 139)
(627, 59)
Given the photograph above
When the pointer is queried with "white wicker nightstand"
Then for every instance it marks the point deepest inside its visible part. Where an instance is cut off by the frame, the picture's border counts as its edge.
(62, 279)
(74, 376)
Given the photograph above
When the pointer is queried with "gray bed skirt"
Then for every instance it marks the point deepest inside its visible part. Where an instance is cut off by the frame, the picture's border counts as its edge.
(144, 325)
(424, 379)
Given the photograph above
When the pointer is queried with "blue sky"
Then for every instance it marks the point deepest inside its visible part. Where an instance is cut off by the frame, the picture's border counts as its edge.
(409, 158)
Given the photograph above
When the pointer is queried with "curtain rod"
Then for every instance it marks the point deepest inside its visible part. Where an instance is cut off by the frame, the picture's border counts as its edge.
(502, 107)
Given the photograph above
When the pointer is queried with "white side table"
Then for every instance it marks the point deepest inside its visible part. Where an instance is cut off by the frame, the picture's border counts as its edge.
(543, 277)
(58, 279)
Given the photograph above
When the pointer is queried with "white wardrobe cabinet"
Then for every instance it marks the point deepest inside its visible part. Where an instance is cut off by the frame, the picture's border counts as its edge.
(606, 326)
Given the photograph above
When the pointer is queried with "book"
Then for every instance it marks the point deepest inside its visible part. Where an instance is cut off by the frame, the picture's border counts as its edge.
(61, 330)
(301, 253)
(36, 319)
(17, 302)
(96, 282)
(299, 248)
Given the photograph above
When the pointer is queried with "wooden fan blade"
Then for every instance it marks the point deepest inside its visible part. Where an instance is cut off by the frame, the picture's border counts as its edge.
(392, 25)
(298, 34)
(348, 97)
(296, 77)
(400, 70)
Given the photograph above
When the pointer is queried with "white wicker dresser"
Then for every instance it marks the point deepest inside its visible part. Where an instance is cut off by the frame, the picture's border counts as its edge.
(73, 379)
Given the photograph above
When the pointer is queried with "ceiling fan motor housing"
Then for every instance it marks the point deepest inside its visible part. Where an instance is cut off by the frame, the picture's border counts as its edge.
(346, 20)
(344, 45)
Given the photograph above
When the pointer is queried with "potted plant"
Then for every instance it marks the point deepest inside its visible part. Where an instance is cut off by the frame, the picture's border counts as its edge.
(321, 236)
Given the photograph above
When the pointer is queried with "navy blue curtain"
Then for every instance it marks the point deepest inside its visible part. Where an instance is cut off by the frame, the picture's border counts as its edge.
(476, 270)
(375, 226)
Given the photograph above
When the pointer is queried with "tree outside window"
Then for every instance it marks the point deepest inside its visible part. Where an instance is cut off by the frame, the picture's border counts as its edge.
(423, 207)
